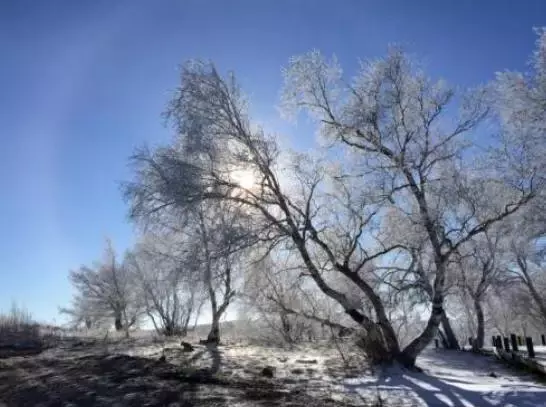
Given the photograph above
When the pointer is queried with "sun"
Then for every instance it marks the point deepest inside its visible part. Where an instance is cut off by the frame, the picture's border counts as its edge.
(244, 178)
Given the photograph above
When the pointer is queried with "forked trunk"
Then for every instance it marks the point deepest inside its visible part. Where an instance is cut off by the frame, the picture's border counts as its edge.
(376, 348)
(410, 353)
(381, 350)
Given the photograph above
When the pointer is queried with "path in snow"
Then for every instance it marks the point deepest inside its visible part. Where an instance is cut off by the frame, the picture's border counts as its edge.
(452, 379)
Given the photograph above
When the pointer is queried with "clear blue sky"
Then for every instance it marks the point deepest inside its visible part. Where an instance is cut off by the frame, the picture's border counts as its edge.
(83, 82)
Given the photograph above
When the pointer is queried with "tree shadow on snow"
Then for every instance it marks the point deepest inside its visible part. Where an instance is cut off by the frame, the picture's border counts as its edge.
(418, 389)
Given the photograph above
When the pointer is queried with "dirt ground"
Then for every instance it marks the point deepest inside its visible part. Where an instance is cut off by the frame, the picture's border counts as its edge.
(128, 374)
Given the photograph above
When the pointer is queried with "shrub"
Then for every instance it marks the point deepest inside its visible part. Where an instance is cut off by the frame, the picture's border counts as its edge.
(18, 327)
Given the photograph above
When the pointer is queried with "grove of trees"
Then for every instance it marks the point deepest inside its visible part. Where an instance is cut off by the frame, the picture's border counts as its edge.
(420, 212)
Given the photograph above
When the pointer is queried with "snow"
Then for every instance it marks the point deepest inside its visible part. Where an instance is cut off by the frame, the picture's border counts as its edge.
(449, 378)
(452, 379)
(314, 371)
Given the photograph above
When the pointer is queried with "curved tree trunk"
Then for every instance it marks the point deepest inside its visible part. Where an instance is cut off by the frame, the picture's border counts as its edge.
(451, 341)
(410, 352)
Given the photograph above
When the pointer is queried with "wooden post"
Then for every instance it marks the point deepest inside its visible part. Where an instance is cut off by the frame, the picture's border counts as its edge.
(499, 342)
(520, 340)
(543, 340)
(530, 349)
(436, 343)
(493, 341)
(506, 344)
(514, 341)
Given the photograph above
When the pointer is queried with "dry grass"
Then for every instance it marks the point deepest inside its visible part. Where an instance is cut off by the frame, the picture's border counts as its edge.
(86, 376)
(18, 330)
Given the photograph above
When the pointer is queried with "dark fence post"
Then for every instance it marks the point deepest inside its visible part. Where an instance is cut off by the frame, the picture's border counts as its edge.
(543, 340)
(506, 344)
(499, 342)
(530, 349)
(520, 340)
(514, 341)
(493, 341)
(436, 343)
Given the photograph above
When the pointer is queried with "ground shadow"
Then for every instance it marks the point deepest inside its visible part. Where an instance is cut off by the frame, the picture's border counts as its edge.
(430, 391)
(122, 380)
(94, 380)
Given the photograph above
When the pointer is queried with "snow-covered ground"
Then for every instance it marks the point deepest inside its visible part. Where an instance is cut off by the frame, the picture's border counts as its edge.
(449, 378)
(454, 379)
(148, 371)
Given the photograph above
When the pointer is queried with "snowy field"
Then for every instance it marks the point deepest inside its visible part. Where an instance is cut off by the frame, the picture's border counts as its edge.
(147, 371)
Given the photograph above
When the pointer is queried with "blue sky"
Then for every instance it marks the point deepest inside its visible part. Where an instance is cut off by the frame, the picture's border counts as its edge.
(84, 82)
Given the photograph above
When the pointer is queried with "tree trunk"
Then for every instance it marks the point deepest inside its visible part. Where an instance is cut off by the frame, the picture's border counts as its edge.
(535, 295)
(410, 353)
(118, 324)
(451, 341)
(126, 323)
(480, 334)
(286, 327)
(443, 338)
(214, 334)
(377, 349)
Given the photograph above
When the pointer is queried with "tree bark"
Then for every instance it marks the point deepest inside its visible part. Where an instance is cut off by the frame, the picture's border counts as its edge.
(451, 341)
(214, 333)
(286, 327)
(410, 352)
(480, 334)
(535, 295)
(118, 324)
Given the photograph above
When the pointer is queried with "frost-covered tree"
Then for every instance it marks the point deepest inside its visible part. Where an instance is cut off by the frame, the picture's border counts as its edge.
(406, 154)
(171, 291)
(220, 239)
(291, 306)
(411, 146)
(480, 270)
(105, 291)
(216, 155)
(526, 264)
(520, 99)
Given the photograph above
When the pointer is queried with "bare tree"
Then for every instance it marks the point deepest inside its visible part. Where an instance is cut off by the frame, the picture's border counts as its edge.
(521, 101)
(480, 269)
(277, 288)
(171, 291)
(527, 265)
(394, 117)
(81, 313)
(213, 127)
(331, 216)
(106, 291)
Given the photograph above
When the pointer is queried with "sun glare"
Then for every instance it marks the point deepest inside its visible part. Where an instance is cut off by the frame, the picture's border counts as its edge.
(244, 178)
